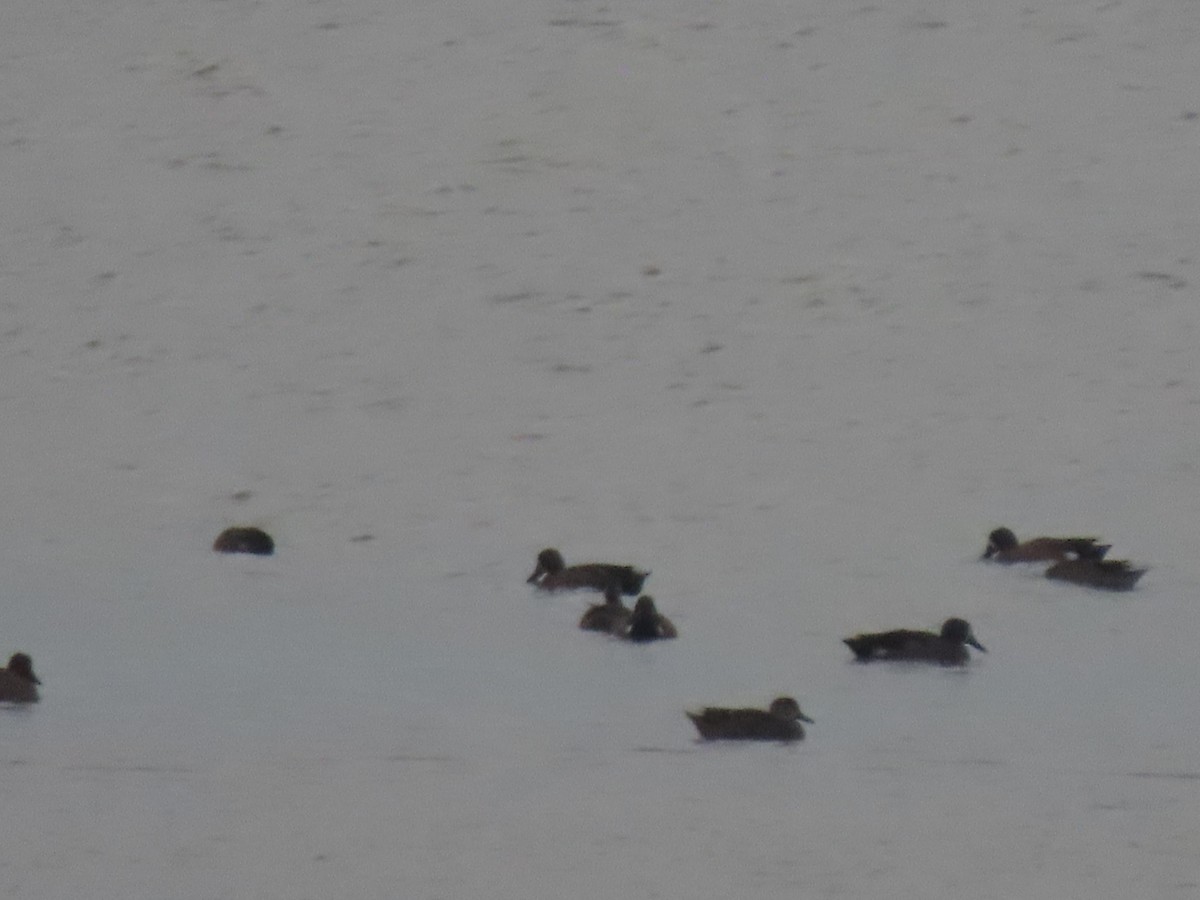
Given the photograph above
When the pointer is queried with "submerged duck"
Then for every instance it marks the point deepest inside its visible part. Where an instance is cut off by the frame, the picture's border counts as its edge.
(611, 616)
(779, 722)
(646, 623)
(1106, 574)
(553, 574)
(18, 684)
(949, 648)
(1002, 546)
(244, 539)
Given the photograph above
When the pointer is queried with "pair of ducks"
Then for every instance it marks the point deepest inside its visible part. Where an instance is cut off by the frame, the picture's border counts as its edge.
(1076, 559)
(781, 720)
(641, 624)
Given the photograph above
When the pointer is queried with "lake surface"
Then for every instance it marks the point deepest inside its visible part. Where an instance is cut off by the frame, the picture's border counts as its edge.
(790, 304)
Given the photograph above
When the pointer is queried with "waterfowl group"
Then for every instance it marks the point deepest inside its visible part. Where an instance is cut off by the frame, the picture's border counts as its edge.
(1080, 560)
(18, 684)
(1076, 559)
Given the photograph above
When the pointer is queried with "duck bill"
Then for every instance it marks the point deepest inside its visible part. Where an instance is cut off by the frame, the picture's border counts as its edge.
(974, 643)
(537, 573)
(803, 718)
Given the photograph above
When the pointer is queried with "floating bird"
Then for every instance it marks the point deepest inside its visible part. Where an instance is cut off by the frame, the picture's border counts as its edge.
(949, 648)
(646, 623)
(611, 616)
(244, 539)
(1106, 574)
(553, 574)
(1002, 546)
(18, 684)
(779, 722)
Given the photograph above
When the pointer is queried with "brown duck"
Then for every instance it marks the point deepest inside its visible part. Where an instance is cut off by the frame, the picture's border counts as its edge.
(1106, 574)
(779, 722)
(244, 539)
(553, 574)
(646, 623)
(18, 684)
(948, 648)
(1003, 546)
(611, 616)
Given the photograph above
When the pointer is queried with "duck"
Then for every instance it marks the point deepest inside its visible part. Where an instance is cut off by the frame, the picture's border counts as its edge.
(646, 623)
(948, 647)
(778, 722)
(611, 616)
(18, 684)
(244, 539)
(553, 574)
(1003, 547)
(1106, 574)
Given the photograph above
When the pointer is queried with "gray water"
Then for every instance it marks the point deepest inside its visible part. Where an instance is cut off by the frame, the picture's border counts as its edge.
(790, 304)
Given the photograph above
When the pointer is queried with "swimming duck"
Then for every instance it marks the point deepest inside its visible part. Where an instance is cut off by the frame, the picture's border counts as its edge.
(1002, 546)
(553, 574)
(1106, 574)
(779, 722)
(949, 648)
(611, 616)
(646, 623)
(244, 539)
(18, 684)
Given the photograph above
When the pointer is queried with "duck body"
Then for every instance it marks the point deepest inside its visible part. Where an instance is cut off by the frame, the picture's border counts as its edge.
(647, 624)
(611, 616)
(244, 539)
(1105, 574)
(18, 684)
(1003, 547)
(779, 722)
(947, 648)
(553, 574)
